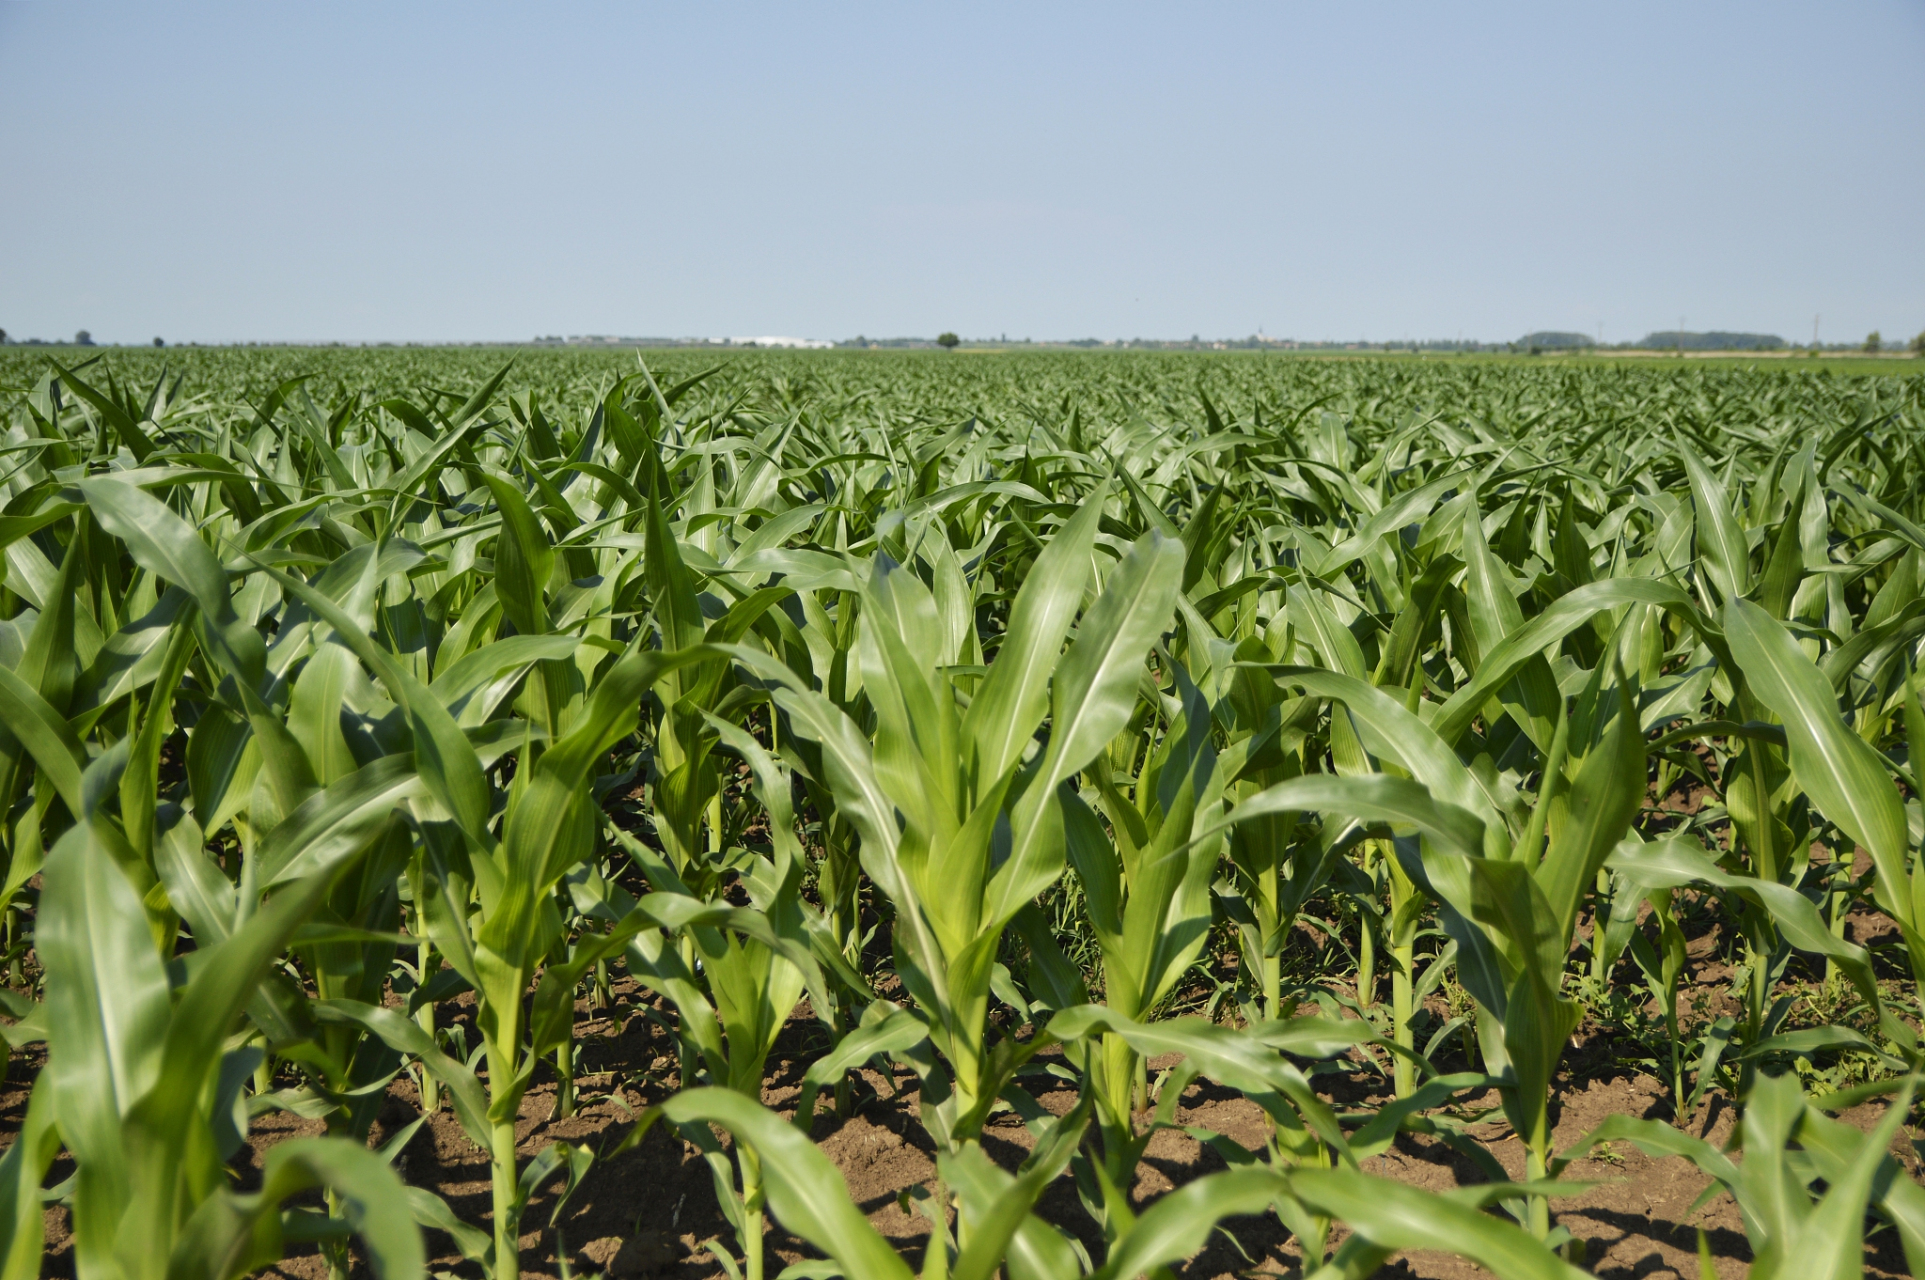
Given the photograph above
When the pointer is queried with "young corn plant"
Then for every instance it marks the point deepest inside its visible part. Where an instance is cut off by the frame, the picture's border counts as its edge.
(142, 1086)
(1148, 898)
(1796, 1226)
(1510, 909)
(752, 966)
(929, 796)
(547, 829)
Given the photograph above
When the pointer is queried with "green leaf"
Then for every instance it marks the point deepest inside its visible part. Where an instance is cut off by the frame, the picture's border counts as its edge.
(806, 1193)
(119, 419)
(231, 1235)
(1566, 615)
(1393, 1215)
(1240, 1059)
(538, 819)
(160, 541)
(524, 558)
(1182, 1222)
(1839, 770)
(47, 737)
(490, 662)
(334, 825)
(196, 888)
(1605, 797)
(1389, 730)
(883, 1029)
(402, 1034)
(1374, 798)
(1408, 507)
(1679, 860)
(1095, 683)
(443, 755)
(670, 585)
(1095, 695)
(1531, 695)
(1721, 543)
(169, 548)
(108, 1006)
(995, 1207)
(476, 404)
(1015, 693)
(25, 1164)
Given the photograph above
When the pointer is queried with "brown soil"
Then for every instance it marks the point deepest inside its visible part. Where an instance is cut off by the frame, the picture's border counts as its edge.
(652, 1211)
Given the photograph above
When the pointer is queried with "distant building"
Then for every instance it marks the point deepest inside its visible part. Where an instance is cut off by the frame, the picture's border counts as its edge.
(809, 343)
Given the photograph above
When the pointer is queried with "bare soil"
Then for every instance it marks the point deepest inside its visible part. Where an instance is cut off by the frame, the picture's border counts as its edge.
(652, 1211)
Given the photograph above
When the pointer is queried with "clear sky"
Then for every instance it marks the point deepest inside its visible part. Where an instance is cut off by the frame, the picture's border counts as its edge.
(422, 171)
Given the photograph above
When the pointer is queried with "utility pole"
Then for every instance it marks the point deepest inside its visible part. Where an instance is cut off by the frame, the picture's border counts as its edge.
(1814, 331)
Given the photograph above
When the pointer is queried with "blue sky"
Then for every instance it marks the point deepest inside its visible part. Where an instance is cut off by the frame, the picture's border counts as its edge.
(424, 171)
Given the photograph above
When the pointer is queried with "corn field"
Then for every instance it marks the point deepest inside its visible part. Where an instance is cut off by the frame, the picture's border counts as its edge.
(1053, 741)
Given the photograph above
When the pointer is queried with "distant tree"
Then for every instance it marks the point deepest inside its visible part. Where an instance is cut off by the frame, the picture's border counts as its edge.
(1874, 343)
(83, 339)
(948, 341)
(159, 343)
(3, 337)
(1918, 344)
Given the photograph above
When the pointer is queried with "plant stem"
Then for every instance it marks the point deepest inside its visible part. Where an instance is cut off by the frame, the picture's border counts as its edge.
(1367, 939)
(565, 1090)
(506, 1191)
(1677, 1060)
(501, 1150)
(336, 1250)
(1119, 1080)
(1757, 1002)
(1403, 950)
(845, 1091)
(425, 963)
(1116, 1094)
(935, 1264)
(752, 1200)
(1272, 979)
(1536, 1161)
(1838, 908)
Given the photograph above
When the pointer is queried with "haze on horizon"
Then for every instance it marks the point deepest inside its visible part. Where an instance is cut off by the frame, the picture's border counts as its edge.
(488, 172)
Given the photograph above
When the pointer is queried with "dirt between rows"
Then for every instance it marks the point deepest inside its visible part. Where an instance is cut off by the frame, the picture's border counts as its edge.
(652, 1211)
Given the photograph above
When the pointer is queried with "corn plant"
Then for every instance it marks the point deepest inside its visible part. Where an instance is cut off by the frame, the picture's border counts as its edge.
(752, 965)
(144, 1091)
(1796, 1227)
(329, 695)
(951, 773)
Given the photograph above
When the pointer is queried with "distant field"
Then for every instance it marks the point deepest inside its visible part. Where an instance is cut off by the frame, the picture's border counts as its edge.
(573, 372)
